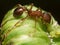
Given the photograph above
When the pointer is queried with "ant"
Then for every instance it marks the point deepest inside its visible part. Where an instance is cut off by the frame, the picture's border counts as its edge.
(36, 14)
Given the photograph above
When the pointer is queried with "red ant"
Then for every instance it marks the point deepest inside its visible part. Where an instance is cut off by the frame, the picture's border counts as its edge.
(46, 16)
(36, 14)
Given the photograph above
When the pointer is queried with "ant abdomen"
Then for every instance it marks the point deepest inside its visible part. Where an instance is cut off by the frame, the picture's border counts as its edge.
(46, 17)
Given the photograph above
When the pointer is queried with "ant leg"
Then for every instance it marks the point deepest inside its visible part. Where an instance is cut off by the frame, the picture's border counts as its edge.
(40, 12)
(31, 6)
(35, 21)
(39, 9)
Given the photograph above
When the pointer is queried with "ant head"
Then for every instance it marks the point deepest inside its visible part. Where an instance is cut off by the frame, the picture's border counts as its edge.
(19, 10)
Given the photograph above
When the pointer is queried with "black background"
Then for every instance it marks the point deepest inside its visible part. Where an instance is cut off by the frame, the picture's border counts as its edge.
(52, 6)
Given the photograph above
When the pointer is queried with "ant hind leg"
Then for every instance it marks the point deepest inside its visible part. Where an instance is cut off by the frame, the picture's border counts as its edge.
(39, 9)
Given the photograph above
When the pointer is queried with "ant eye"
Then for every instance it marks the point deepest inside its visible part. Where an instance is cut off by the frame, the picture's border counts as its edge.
(47, 17)
(18, 11)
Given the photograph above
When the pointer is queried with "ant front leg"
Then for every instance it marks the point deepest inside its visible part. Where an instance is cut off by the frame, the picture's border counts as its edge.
(31, 6)
(38, 14)
(29, 11)
(39, 9)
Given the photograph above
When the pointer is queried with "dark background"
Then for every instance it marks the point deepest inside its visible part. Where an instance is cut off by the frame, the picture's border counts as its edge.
(52, 6)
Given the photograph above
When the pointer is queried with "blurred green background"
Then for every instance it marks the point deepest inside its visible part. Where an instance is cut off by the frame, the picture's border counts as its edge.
(52, 6)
